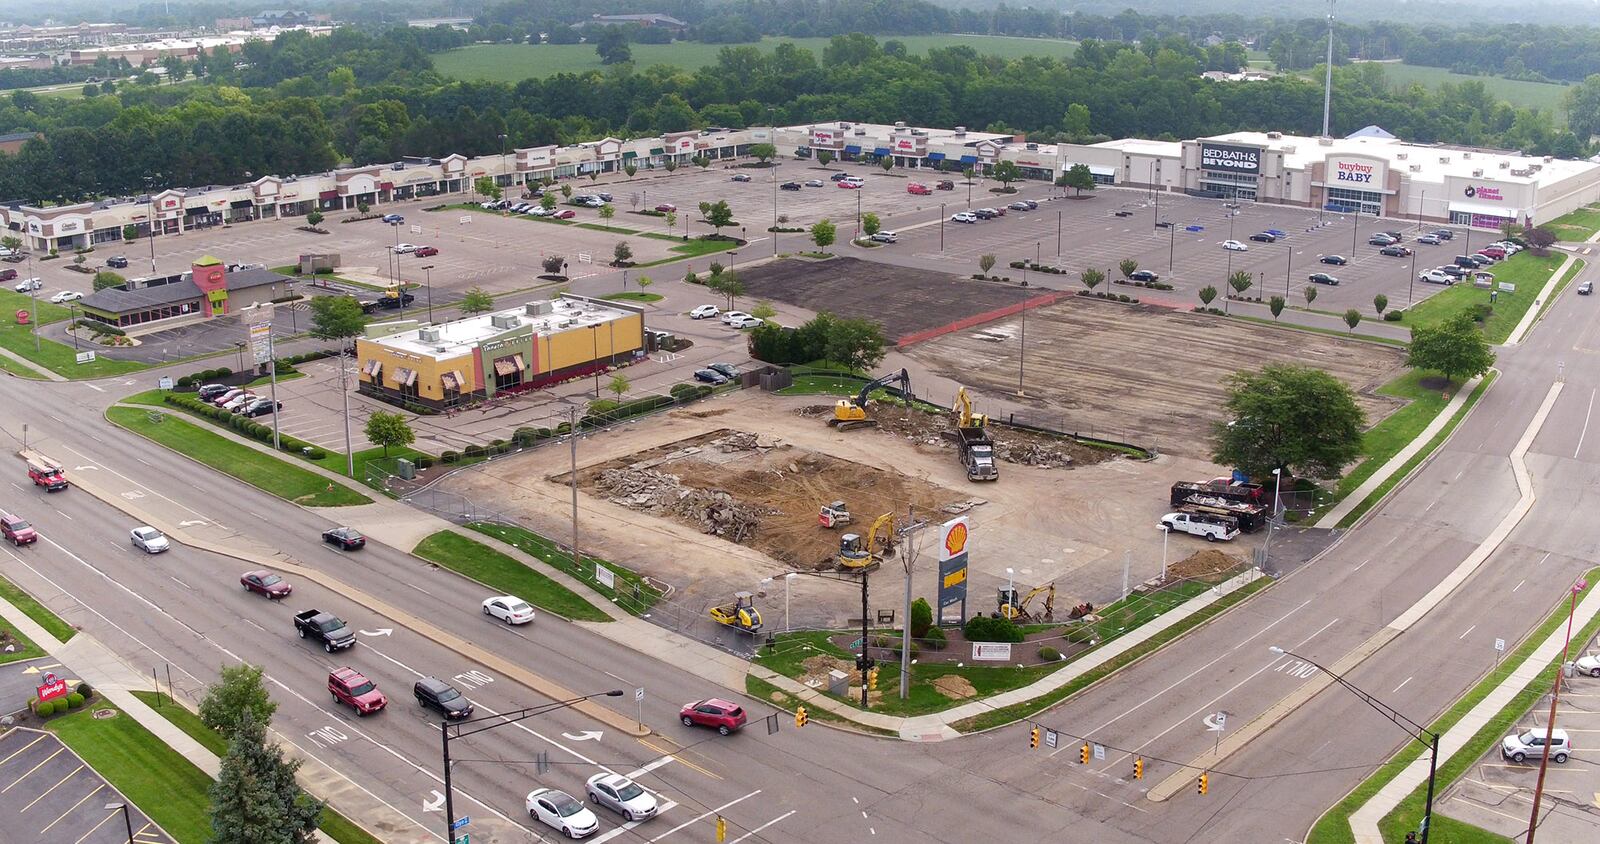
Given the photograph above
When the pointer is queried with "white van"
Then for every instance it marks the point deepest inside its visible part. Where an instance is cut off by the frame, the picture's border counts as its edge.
(853, 181)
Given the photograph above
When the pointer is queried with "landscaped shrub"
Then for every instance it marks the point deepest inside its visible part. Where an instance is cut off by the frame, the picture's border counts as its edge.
(86, 690)
(1049, 654)
(935, 638)
(474, 450)
(423, 461)
(921, 618)
(448, 457)
(1394, 316)
(983, 628)
(316, 454)
(74, 700)
(45, 708)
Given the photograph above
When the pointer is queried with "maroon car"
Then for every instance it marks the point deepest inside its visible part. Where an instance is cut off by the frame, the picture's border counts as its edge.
(350, 686)
(725, 716)
(265, 583)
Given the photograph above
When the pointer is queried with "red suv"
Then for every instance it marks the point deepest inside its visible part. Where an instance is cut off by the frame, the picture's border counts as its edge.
(350, 686)
(7, 274)
(425, 251)
(919, 189)
(726, 716)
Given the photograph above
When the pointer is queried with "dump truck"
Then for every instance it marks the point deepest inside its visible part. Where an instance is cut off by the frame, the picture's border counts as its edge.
(973, 446)
(741, 615)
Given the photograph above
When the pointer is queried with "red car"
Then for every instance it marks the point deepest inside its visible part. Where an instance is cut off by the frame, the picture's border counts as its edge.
(726, 716)
(919, 189)
(7, 274)
(425, 251)
(352, 687)
(265, 583)
(1494, 252)
(565, 214)
(666, 207)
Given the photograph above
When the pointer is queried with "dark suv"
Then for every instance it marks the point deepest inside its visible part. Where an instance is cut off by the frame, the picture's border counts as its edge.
(433, 693)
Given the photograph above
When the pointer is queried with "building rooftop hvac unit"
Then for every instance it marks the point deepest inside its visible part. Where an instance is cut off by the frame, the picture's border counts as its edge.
(428, 335)
(504, 321)
(539, 308)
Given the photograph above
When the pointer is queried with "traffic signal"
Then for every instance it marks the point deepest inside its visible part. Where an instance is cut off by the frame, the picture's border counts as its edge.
(800, 716)
(1204, 780)
(1138, 768)
(1033, 742)
(1083, 754)
(872, 678)
(722, 829)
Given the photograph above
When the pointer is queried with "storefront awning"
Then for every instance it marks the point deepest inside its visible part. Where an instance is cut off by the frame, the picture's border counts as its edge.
(328, 194)
(241, 203)
(405, 377)
(1485, 209)
(372, 368)
(386, 186)
(508, 365)
(629, 154)
(657, 151)
(935, 156)
(1093, 168)
(452, 380)
(881, 151)
(853, 149)
(969, 159)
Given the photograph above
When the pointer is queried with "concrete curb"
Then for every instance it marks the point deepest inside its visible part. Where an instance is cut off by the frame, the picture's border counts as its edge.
(46, 374)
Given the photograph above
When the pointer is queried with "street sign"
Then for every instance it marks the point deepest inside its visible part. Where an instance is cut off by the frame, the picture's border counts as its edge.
(584, 258)
(1500, 645)
(460, 822)
(1050, 738)
(464, 839)
(638, 694)
(86, 357)
(465, 219)
(165, 383)
(1100, 752)
(605, 576)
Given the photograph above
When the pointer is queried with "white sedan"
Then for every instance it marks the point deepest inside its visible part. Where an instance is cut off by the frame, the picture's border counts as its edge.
(622, 795)
(1588, 664)
(148, 539)
(1235, 246)
(558, 810)
(704, 312)
(404, 248)
(732, 317)
(66, 296)
(511, 610)
(746, 321)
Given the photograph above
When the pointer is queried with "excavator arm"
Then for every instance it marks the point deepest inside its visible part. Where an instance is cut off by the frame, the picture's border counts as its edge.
(902, 377)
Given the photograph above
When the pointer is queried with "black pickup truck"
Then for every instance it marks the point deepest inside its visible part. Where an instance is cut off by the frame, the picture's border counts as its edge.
(326, 628)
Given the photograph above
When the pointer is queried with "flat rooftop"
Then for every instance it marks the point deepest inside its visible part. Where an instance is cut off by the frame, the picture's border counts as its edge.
(1436, 162)
(544, 317)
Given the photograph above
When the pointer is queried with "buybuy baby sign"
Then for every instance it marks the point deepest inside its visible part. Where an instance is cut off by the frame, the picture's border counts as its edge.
(1350, 172)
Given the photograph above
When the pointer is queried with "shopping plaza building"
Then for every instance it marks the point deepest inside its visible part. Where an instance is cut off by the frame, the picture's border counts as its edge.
(1370, 171)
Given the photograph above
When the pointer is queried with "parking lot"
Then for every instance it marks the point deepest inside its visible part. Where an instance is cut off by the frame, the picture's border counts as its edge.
(52, 795)
(1496, 793)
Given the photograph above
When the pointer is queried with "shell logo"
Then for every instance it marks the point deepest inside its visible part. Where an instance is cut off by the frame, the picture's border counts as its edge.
(955, 542)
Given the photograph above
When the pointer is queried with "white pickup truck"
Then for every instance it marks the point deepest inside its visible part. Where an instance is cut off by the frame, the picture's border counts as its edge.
(1212, 528)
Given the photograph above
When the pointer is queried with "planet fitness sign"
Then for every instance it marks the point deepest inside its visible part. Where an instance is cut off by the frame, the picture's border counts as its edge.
(1349, 171)
(1483, 192)
(1233, 159)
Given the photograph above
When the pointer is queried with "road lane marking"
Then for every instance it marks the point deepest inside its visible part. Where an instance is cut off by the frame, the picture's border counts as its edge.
(1519, 584)
(1466, 631)
(103, 821)
(704, 815)
(1402, 684)
(680, 759)
(765, 825)
(1585, 432)
(650, 766)
(1363, 563)
(22, 748)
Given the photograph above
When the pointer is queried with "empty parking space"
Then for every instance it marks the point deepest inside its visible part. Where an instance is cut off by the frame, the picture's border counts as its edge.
(48, 794)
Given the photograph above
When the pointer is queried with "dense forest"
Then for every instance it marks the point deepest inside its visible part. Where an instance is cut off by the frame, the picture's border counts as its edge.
(301, 104)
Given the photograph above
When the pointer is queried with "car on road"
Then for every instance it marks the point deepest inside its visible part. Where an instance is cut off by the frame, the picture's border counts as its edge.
(884, 237)
(740, 177)
(347, 538)
(1123, 213)
(559, 810)
(393, 219)
(352, 688)
(710, 376)
(814, 183)
(945, 184)
(1264, 237)
(1235, 246)
(66, 296)
(1430, 239)
(564, 214)
(919, 189)
(790, 186)
(1530, 744)
(666, 207)
(731, 316)
(1380, 239)
(726, 370)
(1585, 288)
(509, 609)
(148, 539)
(265, 583)
(1394, 250)
(1436, 277)
(17, 530)
(1588, 663)
(963, 217)
(722, 715)
(1164, 224)
(211, 391)
(29, 284)
(1336, 260)
(704, 312)
(1322, 278)
(425, 251)
(1144, 275)
(404, 248)
(621, 795)
(433, 693)
(117, 262)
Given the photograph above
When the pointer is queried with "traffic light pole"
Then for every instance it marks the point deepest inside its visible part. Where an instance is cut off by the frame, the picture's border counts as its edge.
(866, 661)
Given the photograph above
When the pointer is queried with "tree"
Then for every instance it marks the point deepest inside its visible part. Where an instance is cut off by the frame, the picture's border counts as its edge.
(1540, 239)
(762, 152)
(388, 429)
(1311, 294)
(552, 264)
(1079, 178)
(824, 157)
(671, 219)
(986, 263)
(547, 201)
(1380, 303)
(1583, 107)
(313, 218)
(130, 232)
(870, 224)
(1240, 281)
(700, 161)
(1091, 278)
(718, 214)
(1075, 124)
(91, 90)
(1455, 348)
(1352, 318)
(630, 168)
(618, 385)
(621, 254)
(238, 691)
(1275, 304)
(887, 163)
(644, 282)
(255, 799)
(823, 233)
(612, 46)
(107, 278)
(670, 165)
(485, 187)
(727, 284)
(1207, 294)
(763, 310)
(1288, 417)
(858, 344)
(606, 213)
(336, 317)
(1128, 267)
(1006, 172)
(566, 190)
(476, 301)
(11, 242)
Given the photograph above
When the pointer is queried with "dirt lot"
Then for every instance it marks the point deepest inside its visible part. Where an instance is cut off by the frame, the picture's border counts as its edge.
(1142, 374)
(903, 299)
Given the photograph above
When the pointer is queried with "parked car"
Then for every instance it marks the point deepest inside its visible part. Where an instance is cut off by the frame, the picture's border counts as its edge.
(839, 177)
(985, 214)
(740, 177)
(945, 184)
(66, 296)
(1380, 240)
(28, 285)
(1495, 252)
(1235, 246)
(621, 795)
(1530, 743)
(148, 539)
(1430, 239)
(1212, 528)
(228, 396)
(393, 219)
(704, 312)
(352, 688)
(425, 251)
(666, 207)
(1123, 213)
(1394, 250)
(604, 197)
(1144, 275)
(790, 186)
(1263, 237)
(238, 403)
(726, 370)
(1588, 663)
(710, 376)
(729, 317)
(558, 810)
(1397, 235)
(265, 583)
(1453, 271)
(117, 262)
(7, 274)
(404, 248)
(261, 407)
(1336, 260)
(211, 391)
(433, 693)
(745, 321)
(814, 183)
(725, 716)
(963, 217)
(347, 538)
(1436, 277)
(919, 189)
(509, 609)
(1322, 278)
(1443, 234)
(885, 237)
(564, 214)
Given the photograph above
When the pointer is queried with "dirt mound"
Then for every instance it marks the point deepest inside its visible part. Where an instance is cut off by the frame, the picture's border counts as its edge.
(1202, 564)
(816, 669)
(955, 687)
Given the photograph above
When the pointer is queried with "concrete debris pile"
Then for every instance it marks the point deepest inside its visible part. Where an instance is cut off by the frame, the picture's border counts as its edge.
(712, 511)
(744, 441)
(1032, 454)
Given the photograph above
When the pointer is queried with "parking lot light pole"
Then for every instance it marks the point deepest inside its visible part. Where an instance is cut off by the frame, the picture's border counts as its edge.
(1419, 733)
(1022, 343)
(72, 324)
(1412, 283)
(1355, 229)
(941, 227)
(427, 274)
(1058, 234)
(1172, 245)
(127, 819)
(1288, 267)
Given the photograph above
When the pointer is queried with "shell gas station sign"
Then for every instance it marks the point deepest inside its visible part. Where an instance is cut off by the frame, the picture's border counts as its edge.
(953, 568)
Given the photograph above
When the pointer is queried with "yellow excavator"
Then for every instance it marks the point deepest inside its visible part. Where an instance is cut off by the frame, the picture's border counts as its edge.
(858, 554)
(1017, 609)
(740, 615)
(968, 418)
(848, 414)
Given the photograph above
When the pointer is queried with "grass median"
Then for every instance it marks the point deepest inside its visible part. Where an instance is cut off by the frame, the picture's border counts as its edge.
(1526, 271)
(36, 611)
(631, 592)
(496, 570)
(261, 470)
(166, 786)
(333, 824)
(61, 358)
(1577, 225)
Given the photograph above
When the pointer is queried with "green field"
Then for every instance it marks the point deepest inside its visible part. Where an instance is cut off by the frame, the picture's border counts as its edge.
(1543, 95)
(515, 62)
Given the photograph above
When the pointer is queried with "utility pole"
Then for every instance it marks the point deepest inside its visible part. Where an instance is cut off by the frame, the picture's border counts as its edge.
(572, 437)
(272, 364)
(1327, 82)
(909, 561)
(1550, 723)
(865, 662)
(344, 393)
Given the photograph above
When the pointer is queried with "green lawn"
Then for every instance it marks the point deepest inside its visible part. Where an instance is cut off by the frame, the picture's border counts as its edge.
(498, 571)
(264, 471)
(166, 786)
(515, 62)
(1317, 329)
(60, 357)
(822, 385)
(337, 826)
(693, 248)
(602, 227)
(633, 594)
(1543, 95)
(1578, 225)
(633, 296)
(1528, 272)
(36, 611)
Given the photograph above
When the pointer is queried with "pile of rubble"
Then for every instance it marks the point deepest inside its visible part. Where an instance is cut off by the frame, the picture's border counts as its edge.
(650, 491)
(744, 441)
(1032, 454)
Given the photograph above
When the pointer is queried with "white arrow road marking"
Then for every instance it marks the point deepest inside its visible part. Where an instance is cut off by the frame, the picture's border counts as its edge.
(191, 523)
(434, 805)
(381, 631)
(585, 735)
(81, 468)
